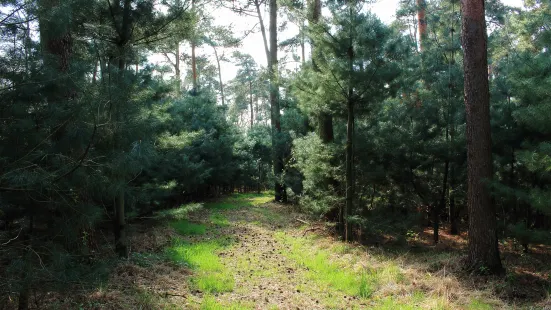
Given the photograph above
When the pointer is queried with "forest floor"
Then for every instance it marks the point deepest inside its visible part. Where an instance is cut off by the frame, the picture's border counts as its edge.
(245, 252)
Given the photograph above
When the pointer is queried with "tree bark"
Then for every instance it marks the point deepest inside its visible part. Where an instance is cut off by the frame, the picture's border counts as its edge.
(325, 120)
(421, 23)
(95, 72)
(177, 70)
(263, 29)
(350, 186)
(220, 75)
(193, 59)
(119, 221)
(274, 103)
(121, 246)
(483, 243)
(251, 102)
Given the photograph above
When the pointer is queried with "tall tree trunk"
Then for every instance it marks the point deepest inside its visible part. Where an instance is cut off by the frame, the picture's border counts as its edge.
(421, 23)
(25, 290)
(193, 59)
(350, 185)
(442, 203)
(274, 103)
(177, 70)
(302, 43)
(121, 242)
(95, 72)
(121, 245)
(263, 30)
(483, 244)
(251, 102)
(56, 41)
(220, 75)
(325, 119)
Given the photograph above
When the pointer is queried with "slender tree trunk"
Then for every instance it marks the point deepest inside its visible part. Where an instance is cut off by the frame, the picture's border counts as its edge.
(220, 75)
(422, 23)
(177, 71)
(454, 215)
(121, 246)
(121, 242)
(193, 59)
(350, 185)
(25, 290)
(251, 102)
(325, 119)
(483, 243)
(193, 67)
(95, 72)
(350, 182)
(274, 102)
(302, 43)
(263, 30)
(442, 204)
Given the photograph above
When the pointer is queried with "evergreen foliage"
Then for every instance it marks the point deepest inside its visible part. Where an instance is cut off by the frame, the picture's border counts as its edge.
(92, 134)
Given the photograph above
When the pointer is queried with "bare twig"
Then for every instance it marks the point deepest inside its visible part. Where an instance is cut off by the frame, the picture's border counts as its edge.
(7, 242)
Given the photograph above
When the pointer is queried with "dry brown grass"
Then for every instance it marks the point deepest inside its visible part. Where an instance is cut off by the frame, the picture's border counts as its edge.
(416, 274)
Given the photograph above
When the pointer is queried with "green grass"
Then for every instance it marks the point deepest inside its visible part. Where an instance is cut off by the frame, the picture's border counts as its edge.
(184, 227)
(219, 219)
(179, 213)
(269, 215)
(390, 303)
(321, 269)
(211, 275)
(210, 303)
(222, 205)
(236, 201)
(477, 304)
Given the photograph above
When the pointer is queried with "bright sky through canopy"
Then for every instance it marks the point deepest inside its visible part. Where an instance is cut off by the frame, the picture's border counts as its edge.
(253, 43)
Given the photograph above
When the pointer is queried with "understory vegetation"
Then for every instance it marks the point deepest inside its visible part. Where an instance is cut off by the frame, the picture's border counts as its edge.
(275, 154)
(262, 256)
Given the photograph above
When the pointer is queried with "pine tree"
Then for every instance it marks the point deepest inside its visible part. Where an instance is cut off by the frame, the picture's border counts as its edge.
(483, 243)
(354, 70)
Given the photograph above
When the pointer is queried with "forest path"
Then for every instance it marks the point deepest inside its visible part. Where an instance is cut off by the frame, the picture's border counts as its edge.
(247, 252)
(267, 262)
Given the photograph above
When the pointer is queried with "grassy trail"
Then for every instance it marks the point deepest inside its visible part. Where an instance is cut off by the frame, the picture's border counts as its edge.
(245, 252)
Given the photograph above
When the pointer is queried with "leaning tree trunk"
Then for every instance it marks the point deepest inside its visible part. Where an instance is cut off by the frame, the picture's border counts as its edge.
(263, 30)
(483, 244)
(274, 102)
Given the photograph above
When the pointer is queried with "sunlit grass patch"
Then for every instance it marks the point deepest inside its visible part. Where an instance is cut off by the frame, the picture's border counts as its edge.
(322, 269)
(269, 215)
(210, 303)
(477, 304)
(259, 199)
(184, 227)
(236, 201)
(253, 199)
(390, 303)
(222, 205)
(219, 219)
(179, 213)
(211, 275)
